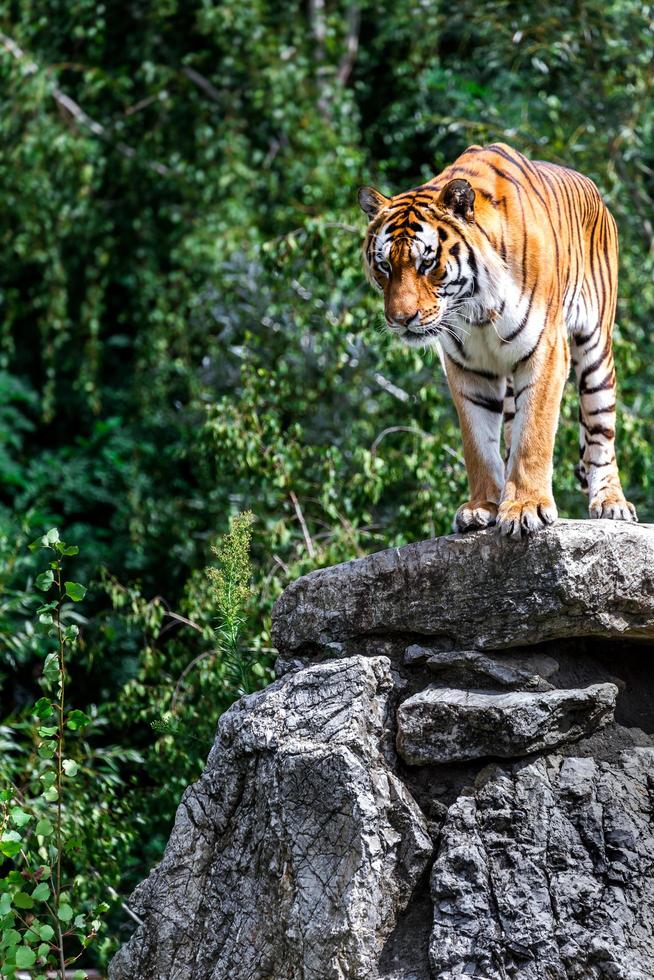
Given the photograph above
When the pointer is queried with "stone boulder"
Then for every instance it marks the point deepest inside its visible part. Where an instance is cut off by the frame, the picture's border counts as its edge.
(444, 724)
(529, 672)
(476, 591)
(295, 852)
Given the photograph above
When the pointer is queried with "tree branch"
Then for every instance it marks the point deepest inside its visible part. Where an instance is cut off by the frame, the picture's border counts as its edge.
(70, 109)
(351, 44)
(319, 31)
(303, 524)
(207, 87)
(187, 670)
(396, 428)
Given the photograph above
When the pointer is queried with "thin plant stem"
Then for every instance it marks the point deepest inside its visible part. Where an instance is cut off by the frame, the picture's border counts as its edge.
(60, 760)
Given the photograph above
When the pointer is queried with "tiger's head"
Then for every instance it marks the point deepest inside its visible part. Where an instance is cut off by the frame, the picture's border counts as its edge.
(420, 251)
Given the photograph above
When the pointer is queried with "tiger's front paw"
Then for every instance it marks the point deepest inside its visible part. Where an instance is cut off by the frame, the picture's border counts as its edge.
(518, 518)
(475, 515)
(612, 504)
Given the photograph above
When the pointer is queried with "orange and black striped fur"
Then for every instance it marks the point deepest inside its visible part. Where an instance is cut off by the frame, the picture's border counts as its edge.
(506, 265)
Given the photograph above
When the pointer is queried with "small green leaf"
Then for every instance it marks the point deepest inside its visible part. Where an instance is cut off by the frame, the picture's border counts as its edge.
(51, 668)
(46, 607)
(71, 633)
(75, 591)
(41, 894)
(71, 550)
(19, 817)
(46, 932)
(10, 843)
(80, 921)
(77, 719)
(44, 581)
(47, 731)
(51, 795)
(45, 541)
(44, 828)
(23, 901)
(25, 957)
(80, 975)
(65, 913)
(43, 708)
(47, 749)
(70, 767)
(5, 904)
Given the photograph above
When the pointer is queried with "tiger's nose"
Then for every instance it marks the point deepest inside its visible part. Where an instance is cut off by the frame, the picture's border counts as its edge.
(407, 319)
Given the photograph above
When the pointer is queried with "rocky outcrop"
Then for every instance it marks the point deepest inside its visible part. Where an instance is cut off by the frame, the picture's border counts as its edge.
(452, 777)
(296, 850)
(525, 673)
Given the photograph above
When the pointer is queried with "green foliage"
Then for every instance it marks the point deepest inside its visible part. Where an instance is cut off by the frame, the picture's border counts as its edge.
(187, 336)
(47, 917)
(231, 582)
(232, 592)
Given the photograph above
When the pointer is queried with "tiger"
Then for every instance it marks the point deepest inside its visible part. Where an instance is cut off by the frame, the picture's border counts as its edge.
(509, 268)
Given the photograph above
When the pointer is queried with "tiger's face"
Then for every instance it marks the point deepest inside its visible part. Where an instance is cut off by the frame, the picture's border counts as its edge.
(417, 254)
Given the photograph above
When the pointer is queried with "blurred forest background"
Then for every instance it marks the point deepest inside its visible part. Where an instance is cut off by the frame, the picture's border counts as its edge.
(186, 332)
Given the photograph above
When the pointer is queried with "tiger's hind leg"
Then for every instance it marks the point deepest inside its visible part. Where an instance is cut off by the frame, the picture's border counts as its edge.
(597, 470)
(580, 468)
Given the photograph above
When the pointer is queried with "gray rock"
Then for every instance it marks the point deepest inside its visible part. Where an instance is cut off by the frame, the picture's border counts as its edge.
(444, 724)
(546, 871)
(474, 669)
(301, 854)
(479, 591)
(294, 853)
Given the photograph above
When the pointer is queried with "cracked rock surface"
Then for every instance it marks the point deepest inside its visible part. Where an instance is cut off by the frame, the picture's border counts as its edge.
(444, 724)
(295, 851)
(545, 871)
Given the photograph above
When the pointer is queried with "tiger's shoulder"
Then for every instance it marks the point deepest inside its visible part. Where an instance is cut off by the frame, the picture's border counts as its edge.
(499, 171)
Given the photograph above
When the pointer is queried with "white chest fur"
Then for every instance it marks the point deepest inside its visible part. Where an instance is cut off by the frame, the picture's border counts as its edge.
(494, 333)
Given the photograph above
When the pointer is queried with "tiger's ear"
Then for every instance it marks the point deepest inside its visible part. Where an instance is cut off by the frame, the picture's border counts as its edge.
(458, 197)
(371, 201)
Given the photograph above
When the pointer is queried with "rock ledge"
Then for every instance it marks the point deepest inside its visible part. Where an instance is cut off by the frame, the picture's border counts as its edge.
(577, 578)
